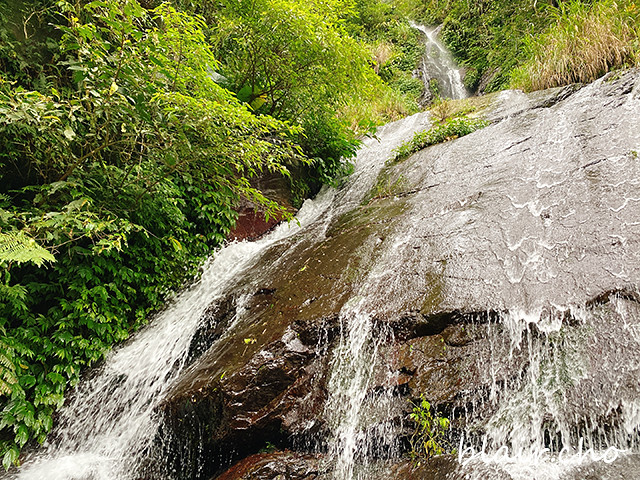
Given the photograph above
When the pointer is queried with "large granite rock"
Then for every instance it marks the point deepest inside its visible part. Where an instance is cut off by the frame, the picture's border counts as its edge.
(474, 250)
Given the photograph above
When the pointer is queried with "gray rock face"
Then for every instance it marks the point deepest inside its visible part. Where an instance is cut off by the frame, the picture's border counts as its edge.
(506, 266)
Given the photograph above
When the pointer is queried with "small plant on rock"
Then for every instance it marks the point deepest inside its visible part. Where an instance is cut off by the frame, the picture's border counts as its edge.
(450, 130)
(428, 439)
(442, 109)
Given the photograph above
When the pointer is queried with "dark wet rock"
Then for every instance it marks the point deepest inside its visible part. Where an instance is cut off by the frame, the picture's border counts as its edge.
(627, 467)
(272, 398)
(274, 466)
(526, 224)
(438, 468)
(294, 466)
(251, 223)
(215, 321)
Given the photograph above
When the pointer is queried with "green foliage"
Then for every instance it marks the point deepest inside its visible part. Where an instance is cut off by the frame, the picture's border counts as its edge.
(487, 37)
(397, 49)
(585, 41)
(126, 166)
(330, 148)
(28, 41)
(449, 130)
(295, 53)
(16, 247)
(429, 437)
(300, 61)
(7, 367)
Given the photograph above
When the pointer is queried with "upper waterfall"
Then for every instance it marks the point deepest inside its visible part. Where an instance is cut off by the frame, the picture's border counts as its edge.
(437, 64)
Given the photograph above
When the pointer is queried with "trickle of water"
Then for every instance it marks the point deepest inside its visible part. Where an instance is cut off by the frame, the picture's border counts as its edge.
(358, 416)
(438, 64)
(564, 392)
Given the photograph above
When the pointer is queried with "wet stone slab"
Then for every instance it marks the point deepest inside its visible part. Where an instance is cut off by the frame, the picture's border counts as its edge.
(513, 242)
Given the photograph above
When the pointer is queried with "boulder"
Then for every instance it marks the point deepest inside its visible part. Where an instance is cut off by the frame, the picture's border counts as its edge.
(275, 466)
(252, 222)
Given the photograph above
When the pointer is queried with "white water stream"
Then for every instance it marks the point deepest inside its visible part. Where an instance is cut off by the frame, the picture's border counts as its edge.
(438, 64)
(552, 387)
(107, 426)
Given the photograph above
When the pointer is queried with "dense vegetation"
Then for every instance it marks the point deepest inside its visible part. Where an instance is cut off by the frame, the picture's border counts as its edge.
(536, 44)
(129, 131)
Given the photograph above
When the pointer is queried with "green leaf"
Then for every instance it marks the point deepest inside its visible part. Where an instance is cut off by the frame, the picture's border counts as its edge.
(176, 244)
(10, 457)
(27, 381)
(55, 377)
(22, 435)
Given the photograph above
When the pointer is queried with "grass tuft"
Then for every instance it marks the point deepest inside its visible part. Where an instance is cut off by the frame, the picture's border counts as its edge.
(587, 40)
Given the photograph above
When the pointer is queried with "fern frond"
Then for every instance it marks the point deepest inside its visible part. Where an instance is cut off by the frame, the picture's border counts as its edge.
(20, 248)
(7, 369)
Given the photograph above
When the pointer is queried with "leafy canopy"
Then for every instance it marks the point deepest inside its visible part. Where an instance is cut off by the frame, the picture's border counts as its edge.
(126, 167)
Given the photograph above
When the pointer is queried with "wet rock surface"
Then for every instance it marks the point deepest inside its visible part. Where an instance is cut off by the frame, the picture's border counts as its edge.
(279, 465)
(533, 216)
(272, 399)
(251, 222)
(625, 468)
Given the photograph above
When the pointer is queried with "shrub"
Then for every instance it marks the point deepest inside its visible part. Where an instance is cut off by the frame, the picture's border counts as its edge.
(125, 169)
(428, 439)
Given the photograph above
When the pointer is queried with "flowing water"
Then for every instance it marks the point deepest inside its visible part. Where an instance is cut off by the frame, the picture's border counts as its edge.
(438, 64)
(108, 425)
(564, 392)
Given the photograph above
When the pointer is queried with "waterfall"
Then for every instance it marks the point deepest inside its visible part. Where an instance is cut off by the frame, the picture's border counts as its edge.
(438, 64)
(562, 393)
(360, 416)
(496, 275)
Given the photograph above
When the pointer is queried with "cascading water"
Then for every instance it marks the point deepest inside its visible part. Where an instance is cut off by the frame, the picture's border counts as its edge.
(108, 425)
(349, 408)
(564, 392)
(360, 415)
(438, 64)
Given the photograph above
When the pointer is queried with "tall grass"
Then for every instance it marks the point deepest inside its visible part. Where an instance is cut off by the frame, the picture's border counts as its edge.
(587, 40)
(375, 108)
